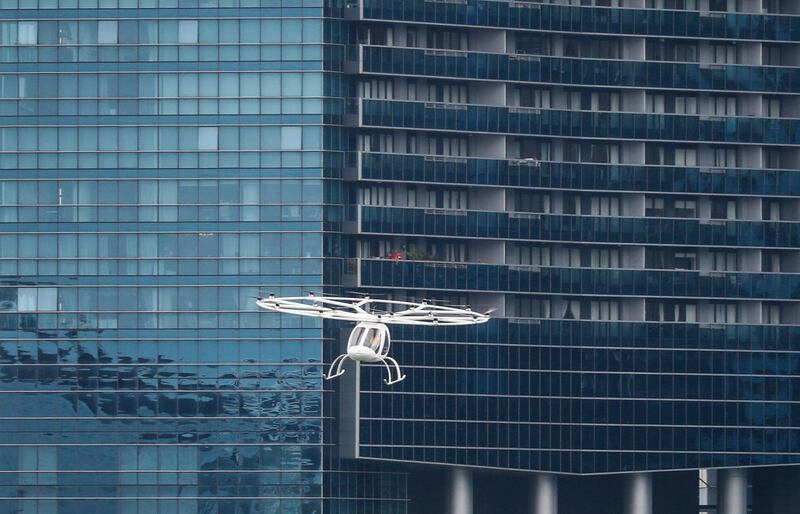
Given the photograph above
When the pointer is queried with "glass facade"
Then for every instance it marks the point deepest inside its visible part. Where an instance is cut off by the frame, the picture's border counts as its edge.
(616, 182)
(161, 164)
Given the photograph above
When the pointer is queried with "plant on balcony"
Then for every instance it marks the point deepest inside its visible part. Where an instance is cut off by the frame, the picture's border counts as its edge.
(415, 254)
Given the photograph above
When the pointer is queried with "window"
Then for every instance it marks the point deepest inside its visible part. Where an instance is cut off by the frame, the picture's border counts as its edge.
(592, 47)
(375, 248)
(447, 199)
(447, 39)
(411, 197)
(411, 91)
(723, 312)
(685, 157)
(670, 207)
(670, 311)
(591, 152)
(688, 5)
(371, 35)
(107, 32)
(605, 258)
(771, 55)
(529, 255)
(685, 260)
(534, 98)
(771, 210)
(526, 201)
(771, 107)
(411, 37)
(723, 261)
(658, 155)
(723, 209)
(723, 105)
(447, 92)
(725, 157)
(723, 54)
(669, 103)
(446, 251)
(207, 138)
(572, 257)
(187, 31)
(291, 138)
(26, 32)
(670, 155)
(595, 310)
(529, 308)
(603, 310)
(534, 149)
(411, 142)
(772, 6)
(592, 205)
(772, 158)
(381, 89)
(376, 142)
(33, 299)
(717, 5)
(448, 146)
(670, 50)
(770, 261)
(375, 195)
(771, 313)
(593, 100)
(667, 258)
(685, 105)
(533, 44)
(685, 208)
(655, 103)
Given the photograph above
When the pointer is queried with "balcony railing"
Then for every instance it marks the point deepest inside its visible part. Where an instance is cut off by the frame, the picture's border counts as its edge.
(462, 276)
(574, 175)
(578, 71)
(586, 124)
(599, 20)
(593, 229)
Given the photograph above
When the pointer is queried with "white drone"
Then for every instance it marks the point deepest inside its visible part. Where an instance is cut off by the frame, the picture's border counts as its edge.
(369, 341)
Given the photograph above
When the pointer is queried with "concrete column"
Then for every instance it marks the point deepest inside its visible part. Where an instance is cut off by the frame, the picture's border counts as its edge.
(544, 493)
(638, 493)
(460, 491)
(732, 491)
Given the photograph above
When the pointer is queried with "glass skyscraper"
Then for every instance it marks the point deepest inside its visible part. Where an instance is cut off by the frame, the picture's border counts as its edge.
(616, 180)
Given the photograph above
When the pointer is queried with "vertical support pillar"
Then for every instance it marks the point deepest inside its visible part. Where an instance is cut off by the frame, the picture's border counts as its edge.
(544, 493)
(638, 493)
(732, 491)
(461, 488)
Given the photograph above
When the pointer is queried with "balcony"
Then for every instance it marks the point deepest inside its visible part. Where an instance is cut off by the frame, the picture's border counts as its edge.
(451, 64)
(583, 124)
(610, 334)
(575, 281)
(600, 20)
(560, 227)
(572, 175)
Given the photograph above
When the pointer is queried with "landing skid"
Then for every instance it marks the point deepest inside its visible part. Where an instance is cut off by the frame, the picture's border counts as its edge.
(338, 364)
(396, 366)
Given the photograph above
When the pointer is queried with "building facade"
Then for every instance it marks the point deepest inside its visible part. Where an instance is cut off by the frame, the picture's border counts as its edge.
(616, 181)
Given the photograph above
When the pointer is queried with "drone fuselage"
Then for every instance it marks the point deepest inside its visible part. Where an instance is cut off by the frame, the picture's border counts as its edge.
(368, 342)
(362, 354)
